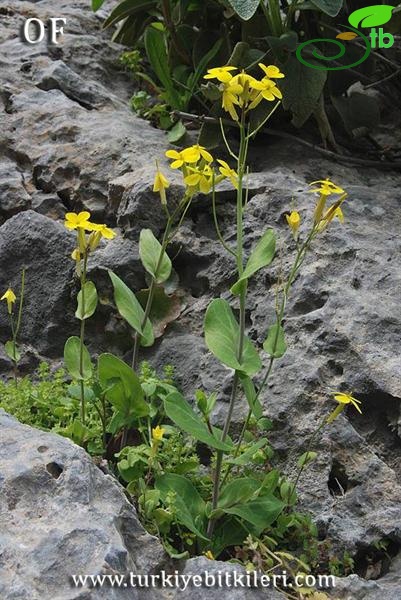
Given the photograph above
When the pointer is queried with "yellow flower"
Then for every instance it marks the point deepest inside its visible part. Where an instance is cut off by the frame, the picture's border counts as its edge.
(157, 433)
(267, 91)
(78, 221)
(343, 398)
(220, 73)
(228, 172)
(272, 72)
(333, 212)
(230, 99)
(200, 179)
(326, 188)
(209, 555)
(177, 158)
(294, 221)
(104, 231)
(160, 185)
(194, 153)
(10, 298)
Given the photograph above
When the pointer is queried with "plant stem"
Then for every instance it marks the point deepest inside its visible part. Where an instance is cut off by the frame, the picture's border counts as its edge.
(241, 167)
(81, 339)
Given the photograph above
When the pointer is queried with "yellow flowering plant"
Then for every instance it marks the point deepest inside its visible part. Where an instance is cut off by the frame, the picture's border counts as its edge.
(10, 298)
(76, 355)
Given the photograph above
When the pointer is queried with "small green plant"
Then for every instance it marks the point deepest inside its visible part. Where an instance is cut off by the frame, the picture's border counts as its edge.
(11, 346)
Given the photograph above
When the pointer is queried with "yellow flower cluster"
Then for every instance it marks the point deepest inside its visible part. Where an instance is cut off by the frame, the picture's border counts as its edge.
(244, 92)
(81, 223)
(10, 298)
(323, 215)
(198, 171)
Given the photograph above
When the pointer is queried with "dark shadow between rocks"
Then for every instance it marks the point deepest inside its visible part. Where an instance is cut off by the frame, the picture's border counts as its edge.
(380, 425)
(374, 561)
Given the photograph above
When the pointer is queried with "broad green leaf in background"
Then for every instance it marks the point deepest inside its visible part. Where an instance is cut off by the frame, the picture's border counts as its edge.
(87, 296)
(122, 386)
(261, 257)
(149, 251)
(251, 396)
(330, 7)
(190, 507)
(130, 309)
(72, 359)
(245, 8)
(222, 335)
(181, 413)
(275, 344)
(301, 88)
(370, 16)
(177, 132)
(126, 9)
(156, 50)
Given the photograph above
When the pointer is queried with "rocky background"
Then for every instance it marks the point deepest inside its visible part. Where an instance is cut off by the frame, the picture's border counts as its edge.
(70, 142)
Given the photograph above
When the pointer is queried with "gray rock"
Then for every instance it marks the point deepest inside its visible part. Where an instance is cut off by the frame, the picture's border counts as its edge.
(60, 516)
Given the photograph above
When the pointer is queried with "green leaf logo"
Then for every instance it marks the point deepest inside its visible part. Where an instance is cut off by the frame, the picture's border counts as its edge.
(371, 16)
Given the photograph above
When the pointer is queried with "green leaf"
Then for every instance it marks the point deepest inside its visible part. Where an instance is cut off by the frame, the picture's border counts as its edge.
(87, 301)
(177, 132)
(96, 4)
(261, 512)
(12, 351)
(306, 459)
(190, 507)
(275, 344)
(238, 491)
(330, 7)
(301, 88)
(245, 8)
(150, 251)
(370, 16)
(72, 354)
(251, 396)
(126, 9)
(222, 337)
(122, 386)
(181, 413)
(130, 309)
(156, 50)
(246, 457)
(228, 532)
(261, 257)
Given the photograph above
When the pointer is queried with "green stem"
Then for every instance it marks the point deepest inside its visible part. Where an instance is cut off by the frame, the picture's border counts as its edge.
(81, 339)
(241, 167)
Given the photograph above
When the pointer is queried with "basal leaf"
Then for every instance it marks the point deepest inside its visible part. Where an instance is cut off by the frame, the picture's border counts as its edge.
(183, 415)
(127, 8)
(261, 512)
(190, 507)
(222, 338)
(238, 491)
(12, 351)
(261, 257)
(87, 301)
(131, 310)
(150, 251)
(122, 386)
